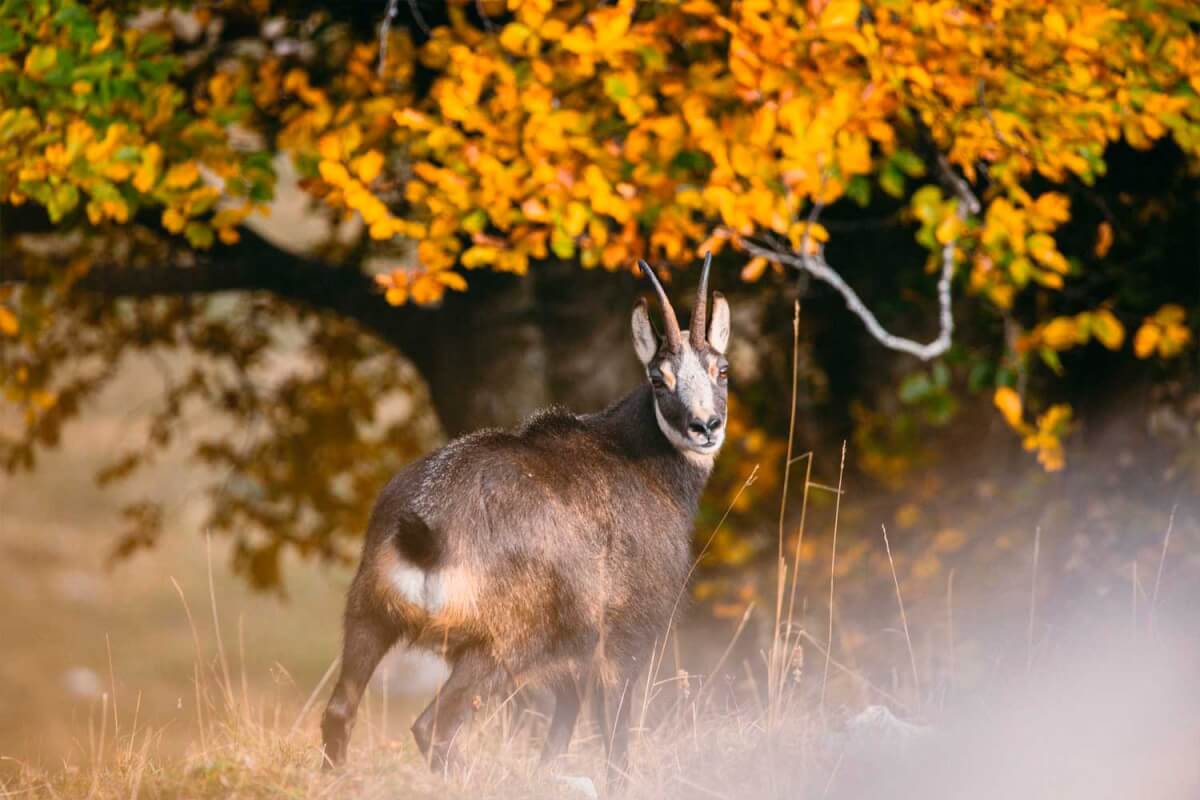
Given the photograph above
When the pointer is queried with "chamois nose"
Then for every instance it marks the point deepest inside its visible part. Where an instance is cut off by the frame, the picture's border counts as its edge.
(705, 429)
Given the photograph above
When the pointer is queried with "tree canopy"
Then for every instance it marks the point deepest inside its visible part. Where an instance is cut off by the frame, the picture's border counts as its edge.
(486, 137)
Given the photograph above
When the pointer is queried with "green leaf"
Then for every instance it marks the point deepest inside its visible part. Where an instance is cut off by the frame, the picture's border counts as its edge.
(926, 201)
(10, 40)
(78, 22)
(615, 88)
(562, 244)
(909, 163)
(1051, 359)
(915, 388)
(979, 376)
(941, 375)
(62, 199)
(199, 235)
(475, 222)
(859, 190)
(891, 180)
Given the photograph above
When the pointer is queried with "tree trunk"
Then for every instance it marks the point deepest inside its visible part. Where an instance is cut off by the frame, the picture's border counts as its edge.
(510, 346)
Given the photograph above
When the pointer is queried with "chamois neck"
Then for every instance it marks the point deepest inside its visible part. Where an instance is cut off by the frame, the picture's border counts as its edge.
(631, 426)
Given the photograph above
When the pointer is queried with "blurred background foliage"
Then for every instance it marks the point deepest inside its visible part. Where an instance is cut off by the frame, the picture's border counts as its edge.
(348, 231)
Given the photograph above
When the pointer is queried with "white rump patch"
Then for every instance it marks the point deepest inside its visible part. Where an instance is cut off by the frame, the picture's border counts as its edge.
(420, 588)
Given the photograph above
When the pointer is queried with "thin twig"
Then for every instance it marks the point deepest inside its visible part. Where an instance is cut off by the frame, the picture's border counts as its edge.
(912, 657)
(1037, 546)
(837, 508)
(952, 667)
(1162, 559)
(312, 697)
(484, 18)
(419, 18)
(385, 28)
(212, 597)
(776, 671)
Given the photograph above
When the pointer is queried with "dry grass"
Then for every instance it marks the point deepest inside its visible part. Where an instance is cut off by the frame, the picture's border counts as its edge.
(779, 717)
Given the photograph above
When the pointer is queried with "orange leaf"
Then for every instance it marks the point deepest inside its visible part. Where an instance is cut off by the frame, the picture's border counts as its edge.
(1146, 340)
(1009, 403)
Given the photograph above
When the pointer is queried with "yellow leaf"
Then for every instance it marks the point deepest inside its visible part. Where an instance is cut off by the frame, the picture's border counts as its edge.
(40, 59)
(754, 269)
(368, 166)
(514, 38)
(576, 218)
(840, 14)
(1053, 207)
(8, 322)
(1056, 24)
(1108, 329)
(147, 172)
(333, 172)
(426, 289)
(1174, 338)
(181, 176)
(330, 147)
(452, 280)
(948, 229)
(1104, 239)
(1009, 403)
(1061, 333)
(1170, 314)
(173, 221)
(382, 229)
(1146, 340)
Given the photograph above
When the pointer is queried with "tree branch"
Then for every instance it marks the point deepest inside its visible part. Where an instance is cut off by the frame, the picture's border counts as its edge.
(256, 264)
(814, 264)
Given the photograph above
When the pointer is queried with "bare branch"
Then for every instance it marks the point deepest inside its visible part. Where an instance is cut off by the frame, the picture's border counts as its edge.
(385, 28)
(959, 185)
(814, 264)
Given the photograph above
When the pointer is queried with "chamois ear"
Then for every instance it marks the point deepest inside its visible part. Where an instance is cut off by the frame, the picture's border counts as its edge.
(644, 340)
(718, 333)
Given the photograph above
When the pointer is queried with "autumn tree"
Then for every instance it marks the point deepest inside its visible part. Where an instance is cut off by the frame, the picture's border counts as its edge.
(994, 191)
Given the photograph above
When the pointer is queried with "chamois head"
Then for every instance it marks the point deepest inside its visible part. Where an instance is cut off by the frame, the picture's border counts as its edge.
(687, 369)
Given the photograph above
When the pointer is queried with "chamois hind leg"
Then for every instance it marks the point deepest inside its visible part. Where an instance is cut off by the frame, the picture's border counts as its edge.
(475, 676)
(566, 710)
(366, 642)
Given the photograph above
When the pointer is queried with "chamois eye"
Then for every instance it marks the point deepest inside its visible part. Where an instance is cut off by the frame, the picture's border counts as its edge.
(656, 381)
(723, 372)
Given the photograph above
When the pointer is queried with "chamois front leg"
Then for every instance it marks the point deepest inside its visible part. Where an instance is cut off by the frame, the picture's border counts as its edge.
(366, 642)
(616, 738)
(567, 701)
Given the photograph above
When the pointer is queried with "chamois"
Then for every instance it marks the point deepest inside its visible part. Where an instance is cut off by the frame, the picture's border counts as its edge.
(552, 554)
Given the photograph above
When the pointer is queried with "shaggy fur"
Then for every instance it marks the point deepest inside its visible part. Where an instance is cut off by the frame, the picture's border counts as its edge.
(550, 555)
